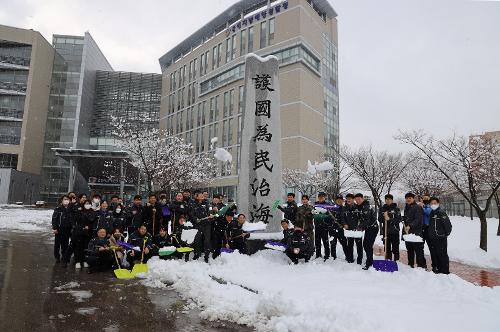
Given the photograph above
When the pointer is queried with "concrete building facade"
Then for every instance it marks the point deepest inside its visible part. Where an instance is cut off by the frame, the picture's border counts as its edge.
(26, 60)
(203, 90)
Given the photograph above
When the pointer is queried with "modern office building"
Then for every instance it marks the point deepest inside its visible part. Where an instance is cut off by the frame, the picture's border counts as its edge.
(69, 118)
(25, 70)
(124, 95)
(203, 94)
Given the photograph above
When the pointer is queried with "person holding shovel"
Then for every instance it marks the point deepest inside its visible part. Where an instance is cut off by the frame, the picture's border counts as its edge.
(413, 223)
(99, 253)
(390, 219)
(368, 223)
(142, 241)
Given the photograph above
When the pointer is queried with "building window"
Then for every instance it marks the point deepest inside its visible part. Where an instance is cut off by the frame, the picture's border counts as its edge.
(250, 39)
(229, 138)
(8, 160)
(239, 130)
(241, 99)
(219, 54)
(226, 104)
(224, 126)
(10, 132)
(233, 47)
(216, 112)
(203, 112)
(190, 71)
(202, 63)
(231, 102)
(271, 31)
(212, 110)
(228, 50)
(243, 41)
(195, 65)
(207, 56)
(263, 34)
(214, 58)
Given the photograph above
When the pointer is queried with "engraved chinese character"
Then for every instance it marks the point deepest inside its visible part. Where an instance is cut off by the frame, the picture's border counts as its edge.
(263, 108)
(262, 213)
(262, 188)
(263, 82)
(261, 159)
(262, 134)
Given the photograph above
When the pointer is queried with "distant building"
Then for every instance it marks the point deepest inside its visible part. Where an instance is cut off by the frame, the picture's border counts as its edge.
(455, 204)
(203, 90)
(56, 108)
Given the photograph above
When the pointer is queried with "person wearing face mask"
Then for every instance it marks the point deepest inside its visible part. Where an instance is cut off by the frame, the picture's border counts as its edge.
(426, 206)
(118, 218)
(96, 202)
(81, 234)
(62, 222)
(113, 203)
(103, 219)
(439, 230)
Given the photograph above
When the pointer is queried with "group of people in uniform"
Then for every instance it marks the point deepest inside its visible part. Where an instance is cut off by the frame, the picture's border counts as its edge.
(353, 222)
(92, 229)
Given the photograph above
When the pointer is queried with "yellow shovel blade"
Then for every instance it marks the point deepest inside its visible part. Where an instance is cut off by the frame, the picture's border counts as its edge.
(123, 274)
(184, 249)
(140, 268)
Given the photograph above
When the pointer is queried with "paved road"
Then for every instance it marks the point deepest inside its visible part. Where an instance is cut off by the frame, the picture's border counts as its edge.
(37, 295)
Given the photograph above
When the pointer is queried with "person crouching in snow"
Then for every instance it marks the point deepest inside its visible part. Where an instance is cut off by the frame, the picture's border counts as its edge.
(140, 239)
(177, 237)
(299, 246)
(439, 230)
(161, 240)
(113, 241)
(287, 231)
(100, 255)
(235, 236)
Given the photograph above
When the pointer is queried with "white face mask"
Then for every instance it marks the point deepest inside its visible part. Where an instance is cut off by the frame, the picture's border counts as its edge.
(95, 200)
(118, 210)
(87, 206)
(434, 206)
(163, 201)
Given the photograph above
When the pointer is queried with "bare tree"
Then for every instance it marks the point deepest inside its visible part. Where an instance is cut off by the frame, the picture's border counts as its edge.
(377, 171)
(339, 180)
(421, 178)
(471, 166)
(305, 182)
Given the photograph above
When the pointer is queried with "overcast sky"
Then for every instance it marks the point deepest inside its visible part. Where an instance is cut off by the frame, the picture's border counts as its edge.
(432, 64)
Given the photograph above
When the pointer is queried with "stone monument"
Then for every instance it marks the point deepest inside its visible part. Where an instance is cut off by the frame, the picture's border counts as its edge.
(260, 186)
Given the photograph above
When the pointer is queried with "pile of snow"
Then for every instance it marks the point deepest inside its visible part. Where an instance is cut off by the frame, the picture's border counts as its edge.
(327, 296)
(253, 226)
(354, 234)
(79, 295)
(189, 234)
(223, 155)
(25, 219)
(318, 167)
(412, 238)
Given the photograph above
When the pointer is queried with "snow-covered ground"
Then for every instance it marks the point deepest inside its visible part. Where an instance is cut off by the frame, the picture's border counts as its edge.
(266, 292)
(13, 217)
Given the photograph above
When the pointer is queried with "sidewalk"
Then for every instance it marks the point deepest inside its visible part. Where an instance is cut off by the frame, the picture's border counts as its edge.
(476, 275)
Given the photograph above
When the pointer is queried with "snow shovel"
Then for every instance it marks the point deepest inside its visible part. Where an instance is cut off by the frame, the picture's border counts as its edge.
(119, 272)
(385, 265)
(226, 250)
(166, 251)
(184, 249)
(125, 245)
(141, 267)
(275, 246)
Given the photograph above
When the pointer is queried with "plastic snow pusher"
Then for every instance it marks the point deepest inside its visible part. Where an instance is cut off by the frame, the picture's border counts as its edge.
(119, 272)
(385, 265)
(141, 267)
